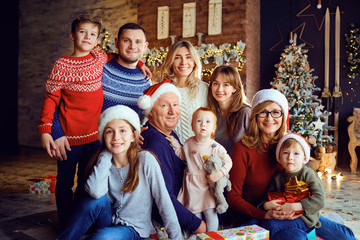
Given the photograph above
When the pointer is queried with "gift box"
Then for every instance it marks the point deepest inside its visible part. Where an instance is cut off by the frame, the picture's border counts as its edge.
(251, 232)
(288, 197)
(40, 185)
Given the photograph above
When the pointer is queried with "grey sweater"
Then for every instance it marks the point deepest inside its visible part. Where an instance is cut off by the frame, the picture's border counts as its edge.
(242, 124)
(134, 209)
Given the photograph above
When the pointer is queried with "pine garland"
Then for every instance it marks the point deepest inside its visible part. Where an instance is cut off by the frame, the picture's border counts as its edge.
(353, 51)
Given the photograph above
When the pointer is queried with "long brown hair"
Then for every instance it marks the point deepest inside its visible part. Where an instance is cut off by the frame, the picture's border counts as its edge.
(238, 98)
(253, 138)
(167, 72)
(132, 154)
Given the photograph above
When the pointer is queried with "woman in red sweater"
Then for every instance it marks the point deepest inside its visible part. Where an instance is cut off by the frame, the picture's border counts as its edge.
(254, 161)
(254, 164)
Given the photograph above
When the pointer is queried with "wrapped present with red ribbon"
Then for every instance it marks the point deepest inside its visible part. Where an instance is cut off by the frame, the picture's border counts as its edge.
(294, 191)
(251, 232)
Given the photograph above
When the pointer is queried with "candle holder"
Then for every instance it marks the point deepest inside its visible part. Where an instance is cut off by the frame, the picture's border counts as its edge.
(199, 35)
(173, 39)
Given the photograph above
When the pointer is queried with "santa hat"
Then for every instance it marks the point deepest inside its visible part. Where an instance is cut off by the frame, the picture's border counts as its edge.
(117, 112)
(275, 96)
(146, 101)
(301, 140)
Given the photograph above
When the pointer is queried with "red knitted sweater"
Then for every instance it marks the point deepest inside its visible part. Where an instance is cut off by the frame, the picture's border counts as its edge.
(75, 84)
(250, 176)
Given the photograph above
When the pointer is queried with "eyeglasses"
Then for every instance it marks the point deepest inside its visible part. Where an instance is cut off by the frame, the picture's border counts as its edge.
(274, 114)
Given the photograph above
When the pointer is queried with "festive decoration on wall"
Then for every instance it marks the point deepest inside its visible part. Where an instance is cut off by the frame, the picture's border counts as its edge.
(215, 17)
(279, 46)
(353, 51)
(189, 20)
(163, 22)
(208, 53)
(295, 80)
(105, 42)
(318, 14)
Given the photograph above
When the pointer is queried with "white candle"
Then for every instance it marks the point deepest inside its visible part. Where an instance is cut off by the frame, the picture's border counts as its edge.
(337, 50)
(327, 42)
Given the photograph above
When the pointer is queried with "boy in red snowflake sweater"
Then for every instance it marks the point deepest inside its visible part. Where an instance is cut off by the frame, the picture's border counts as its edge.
(74, 87)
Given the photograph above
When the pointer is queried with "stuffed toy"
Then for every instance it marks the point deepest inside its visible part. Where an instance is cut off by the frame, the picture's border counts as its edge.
(213, 164)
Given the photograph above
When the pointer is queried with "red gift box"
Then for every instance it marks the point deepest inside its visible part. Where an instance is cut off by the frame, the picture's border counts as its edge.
(288, 197)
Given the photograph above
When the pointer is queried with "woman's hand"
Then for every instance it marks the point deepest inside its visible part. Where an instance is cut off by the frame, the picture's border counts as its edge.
(272, 205)
(280, 215)
(141, 139)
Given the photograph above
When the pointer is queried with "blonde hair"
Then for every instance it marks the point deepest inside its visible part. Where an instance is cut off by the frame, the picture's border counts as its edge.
(253, 139)
(166, 70)
(132, 154)
(238, 98)
(204, 109)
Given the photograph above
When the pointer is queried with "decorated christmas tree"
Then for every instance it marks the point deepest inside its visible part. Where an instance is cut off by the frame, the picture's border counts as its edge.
(294, 79)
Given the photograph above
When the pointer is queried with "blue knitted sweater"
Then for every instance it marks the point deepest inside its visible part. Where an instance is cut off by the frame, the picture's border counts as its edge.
(120, 85)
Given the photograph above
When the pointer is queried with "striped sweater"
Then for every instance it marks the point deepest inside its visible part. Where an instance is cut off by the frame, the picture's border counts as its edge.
(74, 84)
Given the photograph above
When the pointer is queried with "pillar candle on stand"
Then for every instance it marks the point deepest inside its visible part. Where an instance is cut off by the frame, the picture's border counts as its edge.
(327, 42)
(337, 93)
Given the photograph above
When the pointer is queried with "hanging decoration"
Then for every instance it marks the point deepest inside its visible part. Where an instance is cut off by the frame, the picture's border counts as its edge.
(353, 51)
(208, 53)
(189, 20)
(316, 11)
(279, 46)
(215, 17)
(163, 22)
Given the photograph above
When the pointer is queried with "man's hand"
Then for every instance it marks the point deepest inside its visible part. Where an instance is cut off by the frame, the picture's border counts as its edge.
(62, 144)
(47, 142)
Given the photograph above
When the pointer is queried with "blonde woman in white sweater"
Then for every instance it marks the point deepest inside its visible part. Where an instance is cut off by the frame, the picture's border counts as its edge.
(183, 67)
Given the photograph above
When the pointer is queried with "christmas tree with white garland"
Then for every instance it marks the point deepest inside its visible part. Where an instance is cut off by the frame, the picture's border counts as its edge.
(294, 79)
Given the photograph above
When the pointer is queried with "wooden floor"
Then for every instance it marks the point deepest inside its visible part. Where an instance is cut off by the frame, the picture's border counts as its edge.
(25, 216)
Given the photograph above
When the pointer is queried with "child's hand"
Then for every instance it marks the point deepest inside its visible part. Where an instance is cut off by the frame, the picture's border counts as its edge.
(213, 177)
(272, 205)
(292, 207)
(146, 71)
(47, 142)
(173, 142)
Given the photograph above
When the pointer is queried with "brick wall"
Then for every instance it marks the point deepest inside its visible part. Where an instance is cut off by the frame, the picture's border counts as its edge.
(44, 37)
(240, 21)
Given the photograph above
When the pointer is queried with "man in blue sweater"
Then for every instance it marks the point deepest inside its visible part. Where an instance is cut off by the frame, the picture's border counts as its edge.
(161, 104)
(122, 80)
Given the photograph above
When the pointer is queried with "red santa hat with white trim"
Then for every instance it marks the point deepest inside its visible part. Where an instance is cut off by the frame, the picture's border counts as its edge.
(300, 139)
(275, 96)
(146, 101)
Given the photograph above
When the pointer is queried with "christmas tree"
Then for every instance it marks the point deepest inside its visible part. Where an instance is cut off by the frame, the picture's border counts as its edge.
(106, 43)
(294, 79)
